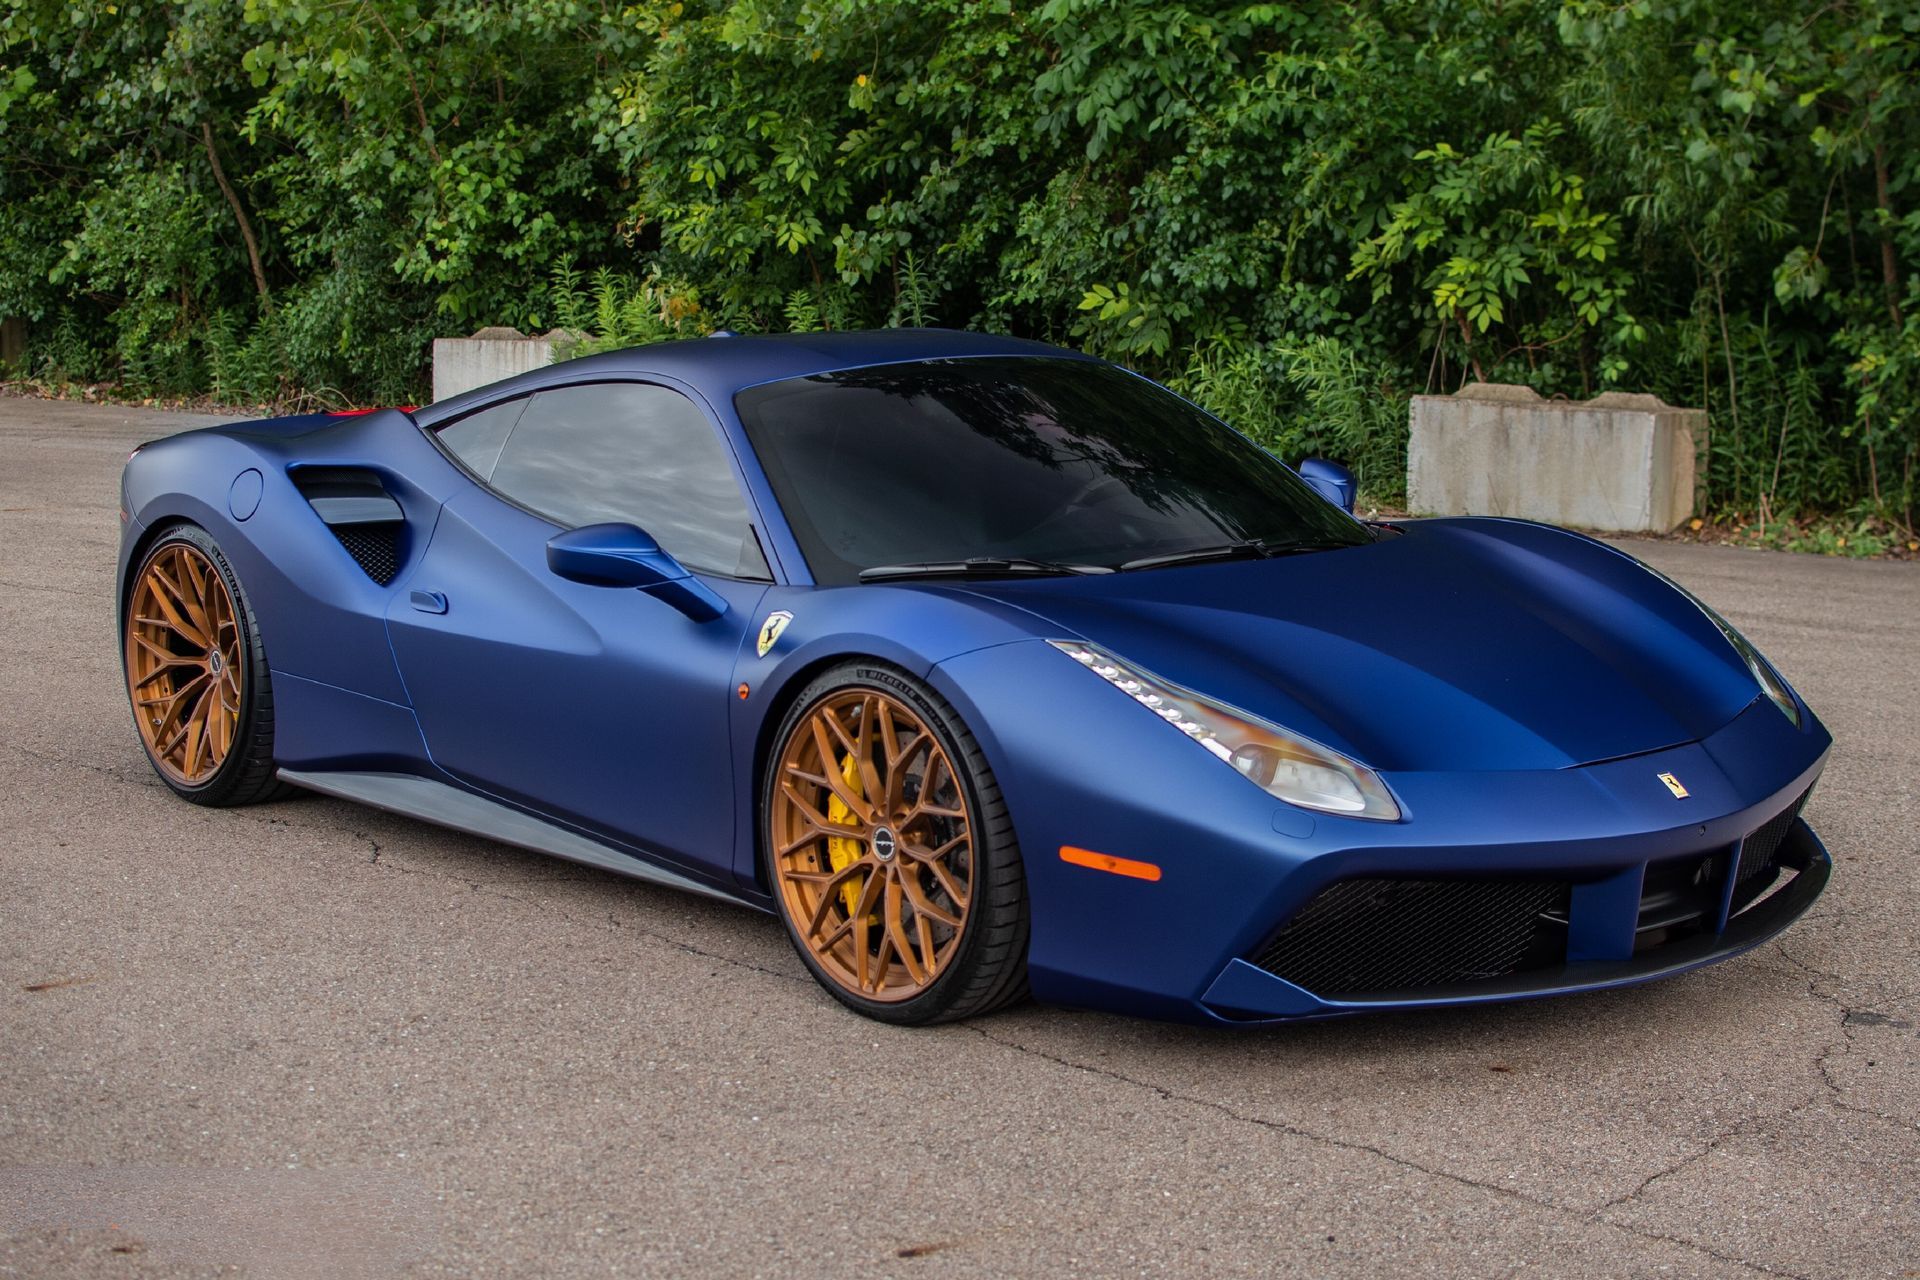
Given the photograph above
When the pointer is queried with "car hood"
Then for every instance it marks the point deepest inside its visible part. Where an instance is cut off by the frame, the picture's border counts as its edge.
(1453, 645)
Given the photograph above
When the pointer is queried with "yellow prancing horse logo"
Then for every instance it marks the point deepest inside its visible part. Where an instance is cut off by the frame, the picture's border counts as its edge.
(777, 622)
(1673, 785)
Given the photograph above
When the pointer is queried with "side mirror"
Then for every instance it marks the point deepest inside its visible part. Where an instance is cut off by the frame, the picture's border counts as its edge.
(621, 555)
(1331, 481)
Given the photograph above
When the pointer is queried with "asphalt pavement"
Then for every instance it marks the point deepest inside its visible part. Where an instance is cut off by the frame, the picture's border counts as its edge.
(312, 1040)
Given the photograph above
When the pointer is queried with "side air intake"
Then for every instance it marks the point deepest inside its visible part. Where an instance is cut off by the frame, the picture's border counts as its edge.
(356, 506)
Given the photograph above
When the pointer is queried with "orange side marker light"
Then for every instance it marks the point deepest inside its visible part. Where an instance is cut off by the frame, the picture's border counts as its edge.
(1108, 863)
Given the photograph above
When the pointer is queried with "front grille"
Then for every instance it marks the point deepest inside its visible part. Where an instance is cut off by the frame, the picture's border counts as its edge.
(1381, 934)
(1758, 853)
(374, 547)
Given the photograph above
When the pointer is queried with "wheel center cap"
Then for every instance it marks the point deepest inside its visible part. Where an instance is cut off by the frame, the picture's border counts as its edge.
(215, 663)
(884, 843)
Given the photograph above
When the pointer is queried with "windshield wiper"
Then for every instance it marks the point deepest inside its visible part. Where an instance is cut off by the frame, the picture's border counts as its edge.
(1245, 548)
(975, 567)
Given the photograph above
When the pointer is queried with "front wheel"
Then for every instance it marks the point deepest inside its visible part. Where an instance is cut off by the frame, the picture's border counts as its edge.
(890, 853)
(197, 673)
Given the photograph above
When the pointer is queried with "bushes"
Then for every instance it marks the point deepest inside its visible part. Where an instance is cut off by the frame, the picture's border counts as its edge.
(1314, 399)
(1299, 214)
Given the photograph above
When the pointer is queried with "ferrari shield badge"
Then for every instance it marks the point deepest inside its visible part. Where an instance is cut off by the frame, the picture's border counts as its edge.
(1673, 783)
(777, 622)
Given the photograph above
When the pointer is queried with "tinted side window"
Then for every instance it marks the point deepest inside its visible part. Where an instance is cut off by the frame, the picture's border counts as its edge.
(476, 439)
(642, 454)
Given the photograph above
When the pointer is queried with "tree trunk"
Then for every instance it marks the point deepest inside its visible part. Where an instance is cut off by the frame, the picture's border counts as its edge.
(240, 216)
(1889, 262)
(1466, 336)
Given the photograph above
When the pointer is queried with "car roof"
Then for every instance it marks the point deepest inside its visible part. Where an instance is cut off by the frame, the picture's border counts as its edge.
(723, 364)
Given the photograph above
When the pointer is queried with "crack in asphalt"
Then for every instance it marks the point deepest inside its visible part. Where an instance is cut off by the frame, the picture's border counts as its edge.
(1166, 1094)
(1679, 1166)
(60, 591)
(1850, 1018)
(134, 777)
(1748, 1126)
(1822, 1070)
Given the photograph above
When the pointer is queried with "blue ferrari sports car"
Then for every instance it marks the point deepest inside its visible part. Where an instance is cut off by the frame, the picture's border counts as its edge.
(990, 668)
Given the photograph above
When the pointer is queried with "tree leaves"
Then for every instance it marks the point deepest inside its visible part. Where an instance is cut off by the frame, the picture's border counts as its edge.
(1719, 202)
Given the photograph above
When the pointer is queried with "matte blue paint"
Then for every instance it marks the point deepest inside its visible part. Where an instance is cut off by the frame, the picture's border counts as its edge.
(1289, 821)
(620, 555)
(1519, 688)
(1247, 991)
(1725, 911)
(326, 727)
(603, 707)
(1601, 921)
(1331, 481)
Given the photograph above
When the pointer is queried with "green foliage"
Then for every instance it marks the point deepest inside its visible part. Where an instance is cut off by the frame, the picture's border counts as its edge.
(1299, 214)
(1499, 226)
(1858, 533)
(1317, 398)
(613, 311)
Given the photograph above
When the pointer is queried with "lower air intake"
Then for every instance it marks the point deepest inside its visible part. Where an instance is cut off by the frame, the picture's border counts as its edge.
(1761, 849)
(1381, 934)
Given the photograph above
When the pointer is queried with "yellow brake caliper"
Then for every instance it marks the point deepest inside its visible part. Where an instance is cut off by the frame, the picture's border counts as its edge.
(844, 851)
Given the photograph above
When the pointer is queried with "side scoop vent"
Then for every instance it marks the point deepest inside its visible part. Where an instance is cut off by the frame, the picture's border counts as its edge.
(355, 505)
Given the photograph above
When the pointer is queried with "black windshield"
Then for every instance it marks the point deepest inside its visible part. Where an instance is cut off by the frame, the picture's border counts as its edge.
(1069, 461)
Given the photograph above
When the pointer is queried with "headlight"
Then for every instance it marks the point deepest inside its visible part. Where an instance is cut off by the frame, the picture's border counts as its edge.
(1762, 671)
(1284, 765)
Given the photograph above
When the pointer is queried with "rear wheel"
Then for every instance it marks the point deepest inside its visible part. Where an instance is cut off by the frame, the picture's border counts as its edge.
(890, 852)
(197, 674)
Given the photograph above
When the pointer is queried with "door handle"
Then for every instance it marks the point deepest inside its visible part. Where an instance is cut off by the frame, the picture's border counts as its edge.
(428, 601)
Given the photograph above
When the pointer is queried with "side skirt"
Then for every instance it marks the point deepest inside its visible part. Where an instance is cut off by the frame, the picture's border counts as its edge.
(449, 806)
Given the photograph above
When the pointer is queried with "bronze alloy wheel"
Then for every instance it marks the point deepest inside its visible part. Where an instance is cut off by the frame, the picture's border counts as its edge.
(186, 663)
(872, 844)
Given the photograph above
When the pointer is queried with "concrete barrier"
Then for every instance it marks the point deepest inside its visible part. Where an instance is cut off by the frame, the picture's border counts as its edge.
(461, 364)
(1618, 462)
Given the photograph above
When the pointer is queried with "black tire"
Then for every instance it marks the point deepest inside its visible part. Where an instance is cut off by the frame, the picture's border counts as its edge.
(989, 968)
(247, 775)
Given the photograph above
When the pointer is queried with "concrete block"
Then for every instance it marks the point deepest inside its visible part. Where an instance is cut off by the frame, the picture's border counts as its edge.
(461, 364)
(1618, 462)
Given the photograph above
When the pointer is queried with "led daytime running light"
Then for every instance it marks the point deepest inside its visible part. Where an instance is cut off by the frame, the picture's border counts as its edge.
(1283, 764)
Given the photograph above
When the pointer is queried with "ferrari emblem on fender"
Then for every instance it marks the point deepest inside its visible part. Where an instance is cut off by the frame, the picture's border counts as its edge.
(1673, 785)
(777, 622)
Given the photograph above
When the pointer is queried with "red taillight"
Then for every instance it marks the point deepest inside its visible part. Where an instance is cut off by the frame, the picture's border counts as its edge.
(359, 413)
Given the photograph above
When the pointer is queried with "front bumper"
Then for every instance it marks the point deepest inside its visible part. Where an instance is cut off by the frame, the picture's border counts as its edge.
(1653, 941)
(1651, 881)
